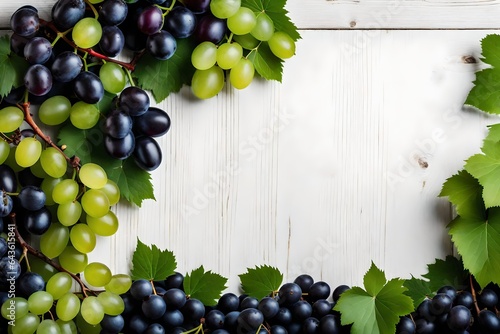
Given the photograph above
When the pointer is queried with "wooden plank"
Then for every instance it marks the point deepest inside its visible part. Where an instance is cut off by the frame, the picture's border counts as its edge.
(361, 14)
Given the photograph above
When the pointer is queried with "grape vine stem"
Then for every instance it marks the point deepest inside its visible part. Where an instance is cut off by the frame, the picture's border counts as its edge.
(473, 292)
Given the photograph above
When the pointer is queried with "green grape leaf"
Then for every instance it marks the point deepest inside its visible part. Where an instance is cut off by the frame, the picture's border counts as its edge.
(450, 271)
(266, 63)
(478, 242)
(20, 67)
(261, 281)
(78, 142)
(376, 309)
(9, 74)
(205, 286)
(490, 46)
(163, 77)
(418, 290)
(465, 192)
(152, 263)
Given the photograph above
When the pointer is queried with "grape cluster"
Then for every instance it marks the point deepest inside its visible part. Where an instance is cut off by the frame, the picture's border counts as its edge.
(455, 311)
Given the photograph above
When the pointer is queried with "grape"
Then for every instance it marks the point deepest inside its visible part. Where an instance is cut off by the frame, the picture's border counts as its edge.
(88, 87)
(310, 325)
(250, 319)
(65, 191)
(459, 318)
(55, 110)
(26, 325)
(119, 284)
(321, 307)
(175, 280)
(93, 176)
(488, 298)
(224, 8)
(153, 123)
(134, 101)
(228, 302)
(247, 41)
(113, 12)
(6, 204)
(112, 77)
(282, 45)
(112, 41)
(180, 22)
(264, 27)
(204, 56)
(66, 66)
(53, 162)
(24, 22)
(82, 238)
(304, 281)
(214, 320)
(301, 310)
(95, 203)
(9, 268)
(172, 318)
(106, 225)
(4, 150)
(175, 298)
(59, 284)
(210, 29)
(138, 324)
(228, 55)
(97, 274)
(249, 302)
(17, 44)
(40, 302)
(37, 222)
(48, 326)
(14, 308)
(147, 153)
(83, 115)
(161, 45)
(38, 50)
(28, 151)
(72, 260)
(87, 32)
(112, 192)
(38, 80)
(112, 323)
(269, 307)
(67, 327)
(134, 39)
(150, 20)
(54, 240)
(66, 13)
(489, 321)
(242, 22)
(111, 302)
(441, 303)
(289, 293)
(339, 291)
(31, 198)
(197, 6)
(464, 298)
(29, 283)
(47, 186)
(120, 148)
(8, 180)
(207, 83)
(68, 306)
(242, 74)
(193, 309)
(141, 289)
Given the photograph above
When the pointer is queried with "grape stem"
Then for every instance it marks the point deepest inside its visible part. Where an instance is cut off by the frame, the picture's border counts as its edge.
(27, 248)
(473, 292)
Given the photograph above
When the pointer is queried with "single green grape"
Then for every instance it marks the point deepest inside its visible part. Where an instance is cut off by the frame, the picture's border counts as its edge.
(111, 302)
(69, 213)
(113, 77)
(4, 151)
(242, 74)
(264, 27)
(26, 325)
(68, 306)
(28, 151)
(93, 176)
(228, 55)
(87, 32)
(48, 326)
(247, 41)
(282, 45)
(112, 191)
(83, 115)
(82, 238)
(40, 302)
(95, 203)
(73, 260)
(14, 308)
(242, 22)
(204, 55)
(59, 284)
(67, 327)
(119, 284)
(97, 274)
(47, 186)
(54, 240)
(207, 83)
(53, 162)
(223, 9)
(55, 110)
(92, 310)
(65, 191)
(105, 226)
(11, 119)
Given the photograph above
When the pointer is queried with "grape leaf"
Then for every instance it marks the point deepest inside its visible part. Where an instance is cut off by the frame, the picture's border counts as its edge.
(205, 286)
(7, 69)
(163, 77)
(266, 63)
(418, 290)
(478, 242)
(450, 271)
(377, 308)
(465, 192)
(490, 46)
(151, 263)
(78, 142)
(261, 281)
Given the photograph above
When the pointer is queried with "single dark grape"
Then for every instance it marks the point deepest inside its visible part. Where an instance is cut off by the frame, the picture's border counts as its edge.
(214, 320)
(37, 222)
(304, 281)
(269, 307)
(319, 290)
(180, 22)
(321, 308)
(231, 321)
(66, 66)
(331, 324)
(210, 28)
(249, 302)
(250, 319)
(134, 101)
(113, 323)
(228, 302)
(88, 87)
(120, 148)
(174, 281)
(441, 303)
(405, 326)
(140, 289)
(37, 50)
(30, 282)
(6, 204)
(464, 298)
(147, 153)
(25, 21)
(289, 293)
(150, 20)
(112, 41)
(137, 323)
(17, 44)
(310, 326)
(155, 329)
(161, 45)
(449, 290)
(38, 80)
(338, 291)
(113, 12)
(172, 318)
(9, 268)
(32, 198)
(488, 298)
(153, 307)
(8, 180)
(283, 317)
(301, 310)
(278, 329)
(489, 321)
(193, 310)
(118, 124)
(66, 13)
(459, 318)
(174, 298)
(425, 327)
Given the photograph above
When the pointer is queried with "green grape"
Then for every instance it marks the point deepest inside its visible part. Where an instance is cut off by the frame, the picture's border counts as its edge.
(228, 55)
(40, 302)
(47, 186)
(105, 226)
(26, 325)
(65, 191)
(48, 326)
(282, 45)
(83, 115)
(11, 160)
(54, 240)
(85, 327)
(28, 151)
(242, 74)
(113, 77)
(119, 284)
(242, 22)
(264, 28)
(93, 176)
(68, 306)
(95, 203)
(69, 213)
(37, 169)
(67, 327)
(207, 83)
(111, 302)
(72, 260)
(204, 55)
(4, 151)
(92, 310)
(112, 192)
(87, 32)
(82, 238)
(41, 267)
(11, 118)
(55, 110)
(224, 8)
(97, 274)
(14, 308)
(59, 284)
(53, 162)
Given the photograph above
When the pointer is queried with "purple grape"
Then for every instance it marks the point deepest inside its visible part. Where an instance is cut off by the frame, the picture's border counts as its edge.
(88, 87)
(147, 153)
(25, 21)
(38, 80)
(66, 66)
(161, 45)
(66, 13)
(38, 50)
(150, 20)
(180, 22)
(113, 12)
(210, 29)
(112, 41)
(120, 148)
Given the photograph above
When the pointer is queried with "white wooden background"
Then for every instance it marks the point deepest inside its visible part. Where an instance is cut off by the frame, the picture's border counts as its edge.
(339, 165)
